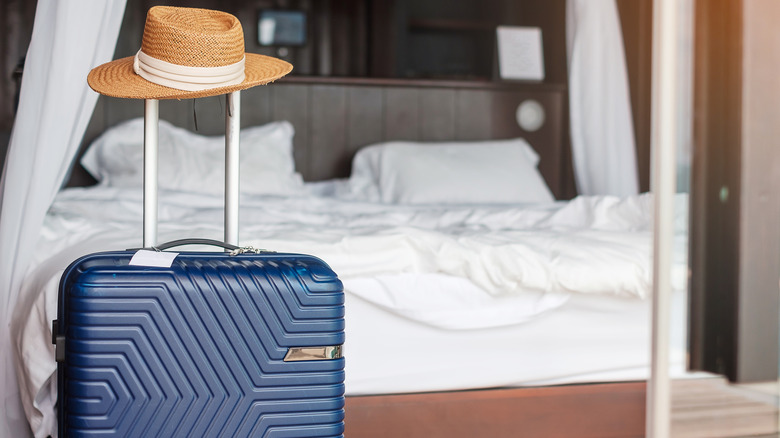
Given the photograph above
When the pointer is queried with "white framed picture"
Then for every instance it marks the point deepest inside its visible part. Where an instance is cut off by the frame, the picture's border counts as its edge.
(520, 55)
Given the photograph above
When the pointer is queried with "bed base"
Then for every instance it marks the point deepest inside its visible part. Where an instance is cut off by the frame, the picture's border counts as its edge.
(605, 410)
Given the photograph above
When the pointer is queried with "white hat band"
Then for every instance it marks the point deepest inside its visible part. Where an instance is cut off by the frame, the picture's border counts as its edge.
(187, 78)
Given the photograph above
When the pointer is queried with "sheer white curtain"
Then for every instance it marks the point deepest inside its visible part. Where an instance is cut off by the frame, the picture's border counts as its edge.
(602, 131)
(69, 38)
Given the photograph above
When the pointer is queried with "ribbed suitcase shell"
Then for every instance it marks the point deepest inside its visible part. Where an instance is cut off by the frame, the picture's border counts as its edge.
(197, 349)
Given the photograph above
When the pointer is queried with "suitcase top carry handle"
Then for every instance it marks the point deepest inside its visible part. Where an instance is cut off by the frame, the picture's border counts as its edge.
(233, 249)
(181, 242)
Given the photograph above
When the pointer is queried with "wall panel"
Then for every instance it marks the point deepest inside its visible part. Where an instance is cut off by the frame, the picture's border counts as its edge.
(402, 113)
(437, 114)
(292, 103)
(470, 124)
(365, 117)
(328, 151)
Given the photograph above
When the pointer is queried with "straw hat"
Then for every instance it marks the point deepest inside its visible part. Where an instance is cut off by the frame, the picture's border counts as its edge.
(187, 53)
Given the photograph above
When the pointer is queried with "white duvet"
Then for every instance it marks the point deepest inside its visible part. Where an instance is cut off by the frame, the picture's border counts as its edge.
(453, 268)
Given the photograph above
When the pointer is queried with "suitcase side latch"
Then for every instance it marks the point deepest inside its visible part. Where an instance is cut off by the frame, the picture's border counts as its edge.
(59, 342)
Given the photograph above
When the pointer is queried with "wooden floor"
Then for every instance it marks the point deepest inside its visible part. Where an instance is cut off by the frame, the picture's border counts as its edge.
(711, 408)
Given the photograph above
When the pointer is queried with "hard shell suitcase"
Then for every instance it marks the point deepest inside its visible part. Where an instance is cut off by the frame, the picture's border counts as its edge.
(219, 344)
(237, 343)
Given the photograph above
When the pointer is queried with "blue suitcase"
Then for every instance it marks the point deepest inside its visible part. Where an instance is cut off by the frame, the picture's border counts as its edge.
(219, 344)
(234, 344)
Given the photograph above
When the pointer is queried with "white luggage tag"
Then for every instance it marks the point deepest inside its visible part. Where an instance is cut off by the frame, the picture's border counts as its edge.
(154, 259)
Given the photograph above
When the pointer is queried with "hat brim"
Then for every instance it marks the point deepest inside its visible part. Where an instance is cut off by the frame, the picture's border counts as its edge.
(117, 79)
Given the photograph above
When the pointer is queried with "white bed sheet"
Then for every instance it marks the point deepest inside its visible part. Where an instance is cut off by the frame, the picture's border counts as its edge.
(437, 298)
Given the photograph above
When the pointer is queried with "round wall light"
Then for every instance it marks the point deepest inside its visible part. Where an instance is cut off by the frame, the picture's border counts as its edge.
(530, 115)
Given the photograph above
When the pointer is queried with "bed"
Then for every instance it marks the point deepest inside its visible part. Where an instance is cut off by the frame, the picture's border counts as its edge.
(475, 302)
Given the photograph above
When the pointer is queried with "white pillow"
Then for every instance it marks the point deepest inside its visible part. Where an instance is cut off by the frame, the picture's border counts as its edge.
(489, 172)
(196, 163)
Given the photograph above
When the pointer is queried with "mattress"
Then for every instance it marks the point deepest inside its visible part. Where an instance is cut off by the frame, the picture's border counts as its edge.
(587, 339)
(438, 297)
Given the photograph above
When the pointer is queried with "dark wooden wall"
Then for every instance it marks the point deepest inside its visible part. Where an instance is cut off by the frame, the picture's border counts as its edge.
(735, 191)
(335, 115)
(16, 21)
(334, 49)
(636, 17)
(714, 236)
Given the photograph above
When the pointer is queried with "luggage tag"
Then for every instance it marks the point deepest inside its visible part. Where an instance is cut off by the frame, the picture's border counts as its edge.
(154, 259)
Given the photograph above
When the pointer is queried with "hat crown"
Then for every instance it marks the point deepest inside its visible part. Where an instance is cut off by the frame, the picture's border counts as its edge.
(193, 37)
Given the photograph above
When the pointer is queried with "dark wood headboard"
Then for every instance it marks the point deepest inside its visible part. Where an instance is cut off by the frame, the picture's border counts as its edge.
(334, 117)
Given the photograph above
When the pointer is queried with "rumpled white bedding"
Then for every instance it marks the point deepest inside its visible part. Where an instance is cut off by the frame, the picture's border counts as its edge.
(587, 245)
(466, 268)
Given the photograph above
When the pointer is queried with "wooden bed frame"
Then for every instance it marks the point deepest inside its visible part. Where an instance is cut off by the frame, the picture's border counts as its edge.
(608, 410)
(333, 118)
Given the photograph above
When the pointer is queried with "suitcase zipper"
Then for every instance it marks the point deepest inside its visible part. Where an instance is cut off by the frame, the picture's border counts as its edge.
(249, 250)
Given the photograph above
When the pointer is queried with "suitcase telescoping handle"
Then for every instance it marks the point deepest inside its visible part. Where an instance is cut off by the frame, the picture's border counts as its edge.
(232, 130)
